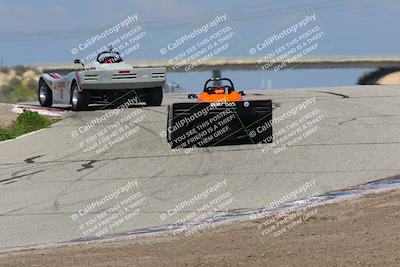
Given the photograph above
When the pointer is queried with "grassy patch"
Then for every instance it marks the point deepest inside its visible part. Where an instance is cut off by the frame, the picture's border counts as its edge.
(27, 121)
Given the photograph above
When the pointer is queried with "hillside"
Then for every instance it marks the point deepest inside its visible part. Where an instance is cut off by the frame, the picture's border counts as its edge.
(18, 84)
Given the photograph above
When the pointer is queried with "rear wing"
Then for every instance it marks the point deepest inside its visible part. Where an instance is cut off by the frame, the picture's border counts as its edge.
(211, 124)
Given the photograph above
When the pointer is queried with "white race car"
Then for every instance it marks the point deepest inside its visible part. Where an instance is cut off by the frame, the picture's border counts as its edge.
(108, 80)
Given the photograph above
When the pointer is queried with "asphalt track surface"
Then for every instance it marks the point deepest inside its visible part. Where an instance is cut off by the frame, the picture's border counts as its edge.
(45, 177)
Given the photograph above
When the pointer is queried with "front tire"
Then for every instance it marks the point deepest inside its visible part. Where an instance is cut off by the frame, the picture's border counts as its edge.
(154, 96)
(45, 94)
(79, 100)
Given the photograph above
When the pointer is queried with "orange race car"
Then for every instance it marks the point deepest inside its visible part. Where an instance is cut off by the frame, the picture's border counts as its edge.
(220, 116)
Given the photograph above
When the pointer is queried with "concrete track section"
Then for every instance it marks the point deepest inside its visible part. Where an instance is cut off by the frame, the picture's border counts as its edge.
(58, 183)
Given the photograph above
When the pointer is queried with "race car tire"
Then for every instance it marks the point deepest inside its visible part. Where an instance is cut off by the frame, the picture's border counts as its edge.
(45, 95)
(79, 100)
(154, 96)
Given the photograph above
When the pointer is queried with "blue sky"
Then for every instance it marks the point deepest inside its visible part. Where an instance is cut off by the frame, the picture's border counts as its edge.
(44, 31)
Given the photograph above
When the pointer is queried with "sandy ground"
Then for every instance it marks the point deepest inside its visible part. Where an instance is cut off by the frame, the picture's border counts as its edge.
(6, 115)
(358, 232)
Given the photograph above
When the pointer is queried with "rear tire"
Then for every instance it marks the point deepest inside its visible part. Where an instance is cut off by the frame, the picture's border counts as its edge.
(154, 96)
(79, 100)
(45, 94)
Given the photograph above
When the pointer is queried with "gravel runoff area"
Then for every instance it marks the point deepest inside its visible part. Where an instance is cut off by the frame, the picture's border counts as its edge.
(364, 231)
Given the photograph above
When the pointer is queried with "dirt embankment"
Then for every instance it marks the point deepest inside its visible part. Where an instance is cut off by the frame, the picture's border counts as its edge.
(391, 78)
(358, 232)
(6, 115)
(382, 76)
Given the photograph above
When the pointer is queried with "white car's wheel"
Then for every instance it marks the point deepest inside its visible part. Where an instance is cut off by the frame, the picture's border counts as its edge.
(79, 100)
(45, 95)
